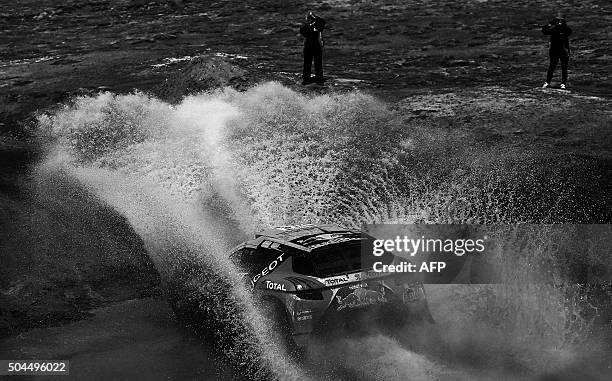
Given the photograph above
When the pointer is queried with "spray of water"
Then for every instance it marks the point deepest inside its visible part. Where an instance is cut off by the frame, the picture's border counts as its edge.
(196, 178)
(165, 170)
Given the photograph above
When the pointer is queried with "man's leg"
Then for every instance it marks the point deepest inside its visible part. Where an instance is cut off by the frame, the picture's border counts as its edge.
(564, 65)
(318, 59)
(307, 65)
(551, 67)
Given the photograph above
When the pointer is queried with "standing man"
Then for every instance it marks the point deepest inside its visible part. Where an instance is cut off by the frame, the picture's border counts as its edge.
(313, 48)
(559, 34)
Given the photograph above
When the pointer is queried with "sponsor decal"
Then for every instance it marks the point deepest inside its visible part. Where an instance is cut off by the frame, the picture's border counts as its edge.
(303, 315)
(334, 240)
(361, 297)
(359, 285)
(268, 269)
(349, 278)
(339, 280)
(275, 286)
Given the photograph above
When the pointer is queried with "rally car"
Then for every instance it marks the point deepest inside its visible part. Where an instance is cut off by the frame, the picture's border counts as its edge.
(314, 280)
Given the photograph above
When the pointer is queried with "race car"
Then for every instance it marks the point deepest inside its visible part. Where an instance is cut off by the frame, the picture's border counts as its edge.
(314, 280)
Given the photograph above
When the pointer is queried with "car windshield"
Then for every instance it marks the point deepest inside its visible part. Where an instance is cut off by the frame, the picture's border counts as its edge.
(335, 260)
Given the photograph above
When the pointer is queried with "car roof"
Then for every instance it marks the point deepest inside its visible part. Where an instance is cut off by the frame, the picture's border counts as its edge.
(304, 238)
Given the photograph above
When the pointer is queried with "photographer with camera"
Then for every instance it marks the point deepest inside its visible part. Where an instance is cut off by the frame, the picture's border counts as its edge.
(313, 48)
(559, 34)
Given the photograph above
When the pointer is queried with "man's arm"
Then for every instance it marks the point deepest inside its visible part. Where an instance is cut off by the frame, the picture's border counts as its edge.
(319, 24)
(548, 28)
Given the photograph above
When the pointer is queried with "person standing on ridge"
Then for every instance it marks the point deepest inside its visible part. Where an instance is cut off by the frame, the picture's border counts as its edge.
(313, 48)
(559, 34)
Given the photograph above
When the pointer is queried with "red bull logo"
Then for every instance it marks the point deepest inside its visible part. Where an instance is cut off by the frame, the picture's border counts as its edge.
(361, 297)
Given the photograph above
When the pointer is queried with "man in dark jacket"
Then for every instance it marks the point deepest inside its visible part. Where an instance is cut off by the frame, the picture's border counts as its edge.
(313, 48)
(559, 34)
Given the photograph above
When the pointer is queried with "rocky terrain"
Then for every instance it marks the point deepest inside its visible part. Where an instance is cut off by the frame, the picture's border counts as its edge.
(52, 50)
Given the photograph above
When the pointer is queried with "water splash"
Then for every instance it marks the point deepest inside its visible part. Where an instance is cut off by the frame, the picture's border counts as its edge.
(196, 178)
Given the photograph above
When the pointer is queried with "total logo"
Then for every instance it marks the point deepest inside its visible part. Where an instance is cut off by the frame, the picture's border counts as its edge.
(275, 286)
